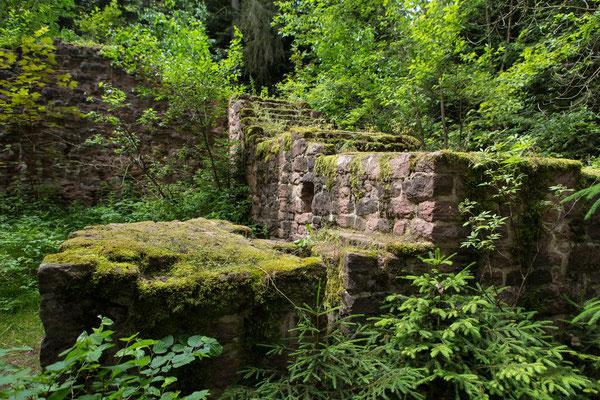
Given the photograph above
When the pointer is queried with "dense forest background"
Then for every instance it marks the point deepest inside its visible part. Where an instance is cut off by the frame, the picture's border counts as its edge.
(456, 74)
(516, 77)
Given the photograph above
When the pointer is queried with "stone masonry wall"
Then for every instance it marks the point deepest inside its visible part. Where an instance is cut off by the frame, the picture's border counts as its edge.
(301, 176)
(378, 206)
(56, 158)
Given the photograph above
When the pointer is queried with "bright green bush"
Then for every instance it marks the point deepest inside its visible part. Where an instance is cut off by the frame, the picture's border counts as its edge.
(20, 18)
(141, 371)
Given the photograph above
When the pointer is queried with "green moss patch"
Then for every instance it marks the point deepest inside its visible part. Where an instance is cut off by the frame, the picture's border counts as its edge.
(360, 141)
(198, 262)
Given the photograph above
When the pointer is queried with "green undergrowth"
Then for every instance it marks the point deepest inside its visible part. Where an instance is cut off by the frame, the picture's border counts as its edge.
(30, 229)
(22, 329)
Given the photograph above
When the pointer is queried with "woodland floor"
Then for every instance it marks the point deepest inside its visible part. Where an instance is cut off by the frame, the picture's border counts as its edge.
(22, 329)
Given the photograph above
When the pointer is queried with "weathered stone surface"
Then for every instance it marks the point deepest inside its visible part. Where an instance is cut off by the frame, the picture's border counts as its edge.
(401, 207)
(360, 272)
(191, 277)
(299, 164)
(414, 196)
(400, 227)
(366, 206)
(298, 148)
(585, 256)
(322, 204)
(345, 206)
(418, 187)
(400, 166)
(422, 229)
(439, 210)
(56, 158)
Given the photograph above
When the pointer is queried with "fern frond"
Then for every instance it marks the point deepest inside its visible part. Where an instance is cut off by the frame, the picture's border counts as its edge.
(587, 193)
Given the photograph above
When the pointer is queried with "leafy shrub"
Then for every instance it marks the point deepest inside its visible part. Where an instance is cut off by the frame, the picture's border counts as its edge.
(141, 370)
(448, 341)
(99, 23)
(20, 18)
(341, 363)
(472, 345)
(586, 337)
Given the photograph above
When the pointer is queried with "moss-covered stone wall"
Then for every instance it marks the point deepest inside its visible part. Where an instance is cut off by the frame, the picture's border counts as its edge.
(55, 159)
(194, 277)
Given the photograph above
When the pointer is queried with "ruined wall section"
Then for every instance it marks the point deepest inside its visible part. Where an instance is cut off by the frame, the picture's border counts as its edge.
(56, 159)
(280, 145)
(372, 184)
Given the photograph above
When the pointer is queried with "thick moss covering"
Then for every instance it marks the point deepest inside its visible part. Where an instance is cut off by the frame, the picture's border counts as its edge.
(360, 141)
(199, 263)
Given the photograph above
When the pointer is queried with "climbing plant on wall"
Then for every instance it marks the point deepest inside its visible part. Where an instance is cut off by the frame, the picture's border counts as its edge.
(24, 108)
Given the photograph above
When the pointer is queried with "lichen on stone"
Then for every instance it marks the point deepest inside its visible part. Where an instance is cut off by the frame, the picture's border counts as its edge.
(326, 166)
(402, 249)
(357, 175)
(385, 170)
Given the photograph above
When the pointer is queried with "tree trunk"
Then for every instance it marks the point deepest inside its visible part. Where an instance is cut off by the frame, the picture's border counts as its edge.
(212, 161)
(236, 10)
(420, 126)
(443, 112)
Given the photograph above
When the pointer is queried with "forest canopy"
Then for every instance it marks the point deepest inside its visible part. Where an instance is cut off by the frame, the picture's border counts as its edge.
(454, 73)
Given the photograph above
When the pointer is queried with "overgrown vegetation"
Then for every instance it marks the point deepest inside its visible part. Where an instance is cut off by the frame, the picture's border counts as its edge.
(455, 74)
(142, 369)
(29, 231)
(447, 340)
(508, 78)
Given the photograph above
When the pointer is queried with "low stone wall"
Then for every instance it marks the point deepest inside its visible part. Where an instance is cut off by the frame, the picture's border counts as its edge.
(172, 278)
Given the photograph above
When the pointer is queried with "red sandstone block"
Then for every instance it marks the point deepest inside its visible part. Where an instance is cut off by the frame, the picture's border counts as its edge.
(345, 206)
(402, 208)
(378, 224)
(302, 219)
(400, 227)
(438, 211)
(345, 221)
(298, 147)
(400, 166)
(422, 229)
(314, 149)
(299, 164)
(344, 192)
(421, 186)
(344, 163)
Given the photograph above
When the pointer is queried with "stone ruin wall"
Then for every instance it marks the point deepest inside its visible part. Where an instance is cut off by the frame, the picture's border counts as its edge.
(296, 179)
(57, 160)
